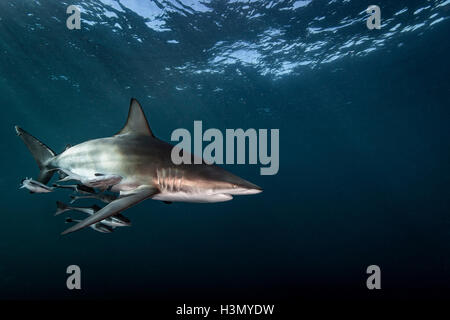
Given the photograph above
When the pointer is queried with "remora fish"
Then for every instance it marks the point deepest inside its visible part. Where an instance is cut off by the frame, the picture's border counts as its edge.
(104, 197)
(62, 207)
(99, 226)
(35, 186)
(144, 165)
(99, 180)
(82, 189)
(116, 220)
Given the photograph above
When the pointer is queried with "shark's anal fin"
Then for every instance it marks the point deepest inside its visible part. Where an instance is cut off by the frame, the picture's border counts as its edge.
(137, 123)
(123, 203)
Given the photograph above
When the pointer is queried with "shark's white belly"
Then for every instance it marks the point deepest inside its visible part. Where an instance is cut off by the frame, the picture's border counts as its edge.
(192, 197)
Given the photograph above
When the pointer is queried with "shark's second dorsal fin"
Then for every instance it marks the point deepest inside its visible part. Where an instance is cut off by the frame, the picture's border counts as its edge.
(137, 123)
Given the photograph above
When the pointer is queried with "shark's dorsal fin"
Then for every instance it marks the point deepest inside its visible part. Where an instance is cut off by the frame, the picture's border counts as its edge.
(137, 123)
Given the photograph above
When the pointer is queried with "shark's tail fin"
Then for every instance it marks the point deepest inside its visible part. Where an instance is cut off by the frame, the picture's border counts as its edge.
(40, 152)
(61, 207)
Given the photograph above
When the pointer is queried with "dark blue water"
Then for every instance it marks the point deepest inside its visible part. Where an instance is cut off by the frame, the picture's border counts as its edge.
(364, 145)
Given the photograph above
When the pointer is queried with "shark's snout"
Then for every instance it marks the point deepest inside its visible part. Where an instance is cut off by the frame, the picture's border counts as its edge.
(244, 187)
(245, 191)
(251, 191)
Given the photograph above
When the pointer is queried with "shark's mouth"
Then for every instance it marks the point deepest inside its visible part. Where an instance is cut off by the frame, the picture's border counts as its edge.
(192, 197)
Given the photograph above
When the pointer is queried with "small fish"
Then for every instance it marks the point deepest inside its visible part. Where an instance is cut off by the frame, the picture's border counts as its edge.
(117, 220)
(100, 227)
(79, 188)
(35, 186)
(104, 197)
(62, 207)
(98, 180)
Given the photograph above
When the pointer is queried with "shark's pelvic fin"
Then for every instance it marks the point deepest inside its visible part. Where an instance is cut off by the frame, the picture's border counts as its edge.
(40, 152)
(137, 122)
(62, 175)
(130, 199)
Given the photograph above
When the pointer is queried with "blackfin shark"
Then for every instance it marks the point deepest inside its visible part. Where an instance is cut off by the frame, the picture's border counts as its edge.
(138, 165)
(117, 220)
(35, 186)
(99, 226)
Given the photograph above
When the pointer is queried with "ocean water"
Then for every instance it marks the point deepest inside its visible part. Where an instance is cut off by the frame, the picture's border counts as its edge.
(363, 115)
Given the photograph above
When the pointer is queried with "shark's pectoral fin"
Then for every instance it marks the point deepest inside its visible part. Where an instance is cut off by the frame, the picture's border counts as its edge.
(124, 202)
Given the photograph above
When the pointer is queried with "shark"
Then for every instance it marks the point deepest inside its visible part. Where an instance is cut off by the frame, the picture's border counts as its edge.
(137, 165)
